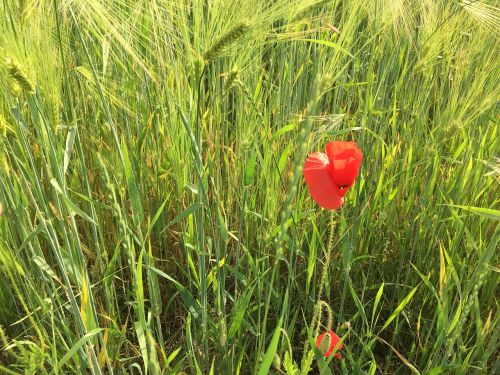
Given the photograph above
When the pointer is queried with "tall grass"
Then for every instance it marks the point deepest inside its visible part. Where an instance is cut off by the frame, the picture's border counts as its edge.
(153, 217)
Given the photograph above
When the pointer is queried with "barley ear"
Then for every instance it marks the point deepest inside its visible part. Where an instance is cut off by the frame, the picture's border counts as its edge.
(19, 76)
(3, 127)
(220, 45)
(308, 9)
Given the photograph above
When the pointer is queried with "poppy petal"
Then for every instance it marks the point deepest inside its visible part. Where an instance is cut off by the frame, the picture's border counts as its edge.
(333, 343)
(320, 183)
(335, 148)
(345, 159)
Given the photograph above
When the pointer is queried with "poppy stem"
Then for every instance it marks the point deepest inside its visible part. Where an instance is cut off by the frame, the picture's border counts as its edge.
(326, 264)
(318, 308)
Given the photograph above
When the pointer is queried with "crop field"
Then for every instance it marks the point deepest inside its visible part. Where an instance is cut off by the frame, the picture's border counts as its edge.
(249, 187)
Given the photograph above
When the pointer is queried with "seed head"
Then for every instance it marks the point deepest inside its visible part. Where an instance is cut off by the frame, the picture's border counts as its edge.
(4, 164)
(18, 75)
(15, 89)
(308, 9)
(231, 77)
(225, 40)
(3, 127)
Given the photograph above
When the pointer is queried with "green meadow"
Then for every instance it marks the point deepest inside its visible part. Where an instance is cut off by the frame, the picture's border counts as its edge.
(154, 218)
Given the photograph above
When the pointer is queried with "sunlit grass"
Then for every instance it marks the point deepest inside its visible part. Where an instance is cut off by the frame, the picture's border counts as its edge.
(153, 215)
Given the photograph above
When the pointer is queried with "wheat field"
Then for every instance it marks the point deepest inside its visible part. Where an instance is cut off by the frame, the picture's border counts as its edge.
(154, 218)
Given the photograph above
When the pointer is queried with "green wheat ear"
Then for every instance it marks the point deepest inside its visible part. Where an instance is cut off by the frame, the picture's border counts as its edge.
(230, 78)
(4, 164)
(15, 89)
(225, 40)
(3, 127)
(19, 76)
(308, 9)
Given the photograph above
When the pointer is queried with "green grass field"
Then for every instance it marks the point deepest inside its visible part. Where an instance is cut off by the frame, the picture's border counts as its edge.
(153, 214)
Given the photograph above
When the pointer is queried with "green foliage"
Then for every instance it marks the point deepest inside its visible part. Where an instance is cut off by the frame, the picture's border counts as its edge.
(153, 215)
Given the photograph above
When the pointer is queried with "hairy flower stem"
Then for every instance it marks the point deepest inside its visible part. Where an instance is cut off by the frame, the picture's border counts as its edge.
(324, 275)
(307, 356)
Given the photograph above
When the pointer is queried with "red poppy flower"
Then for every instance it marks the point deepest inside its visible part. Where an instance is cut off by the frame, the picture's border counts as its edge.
(329, 176)
(328, 341)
